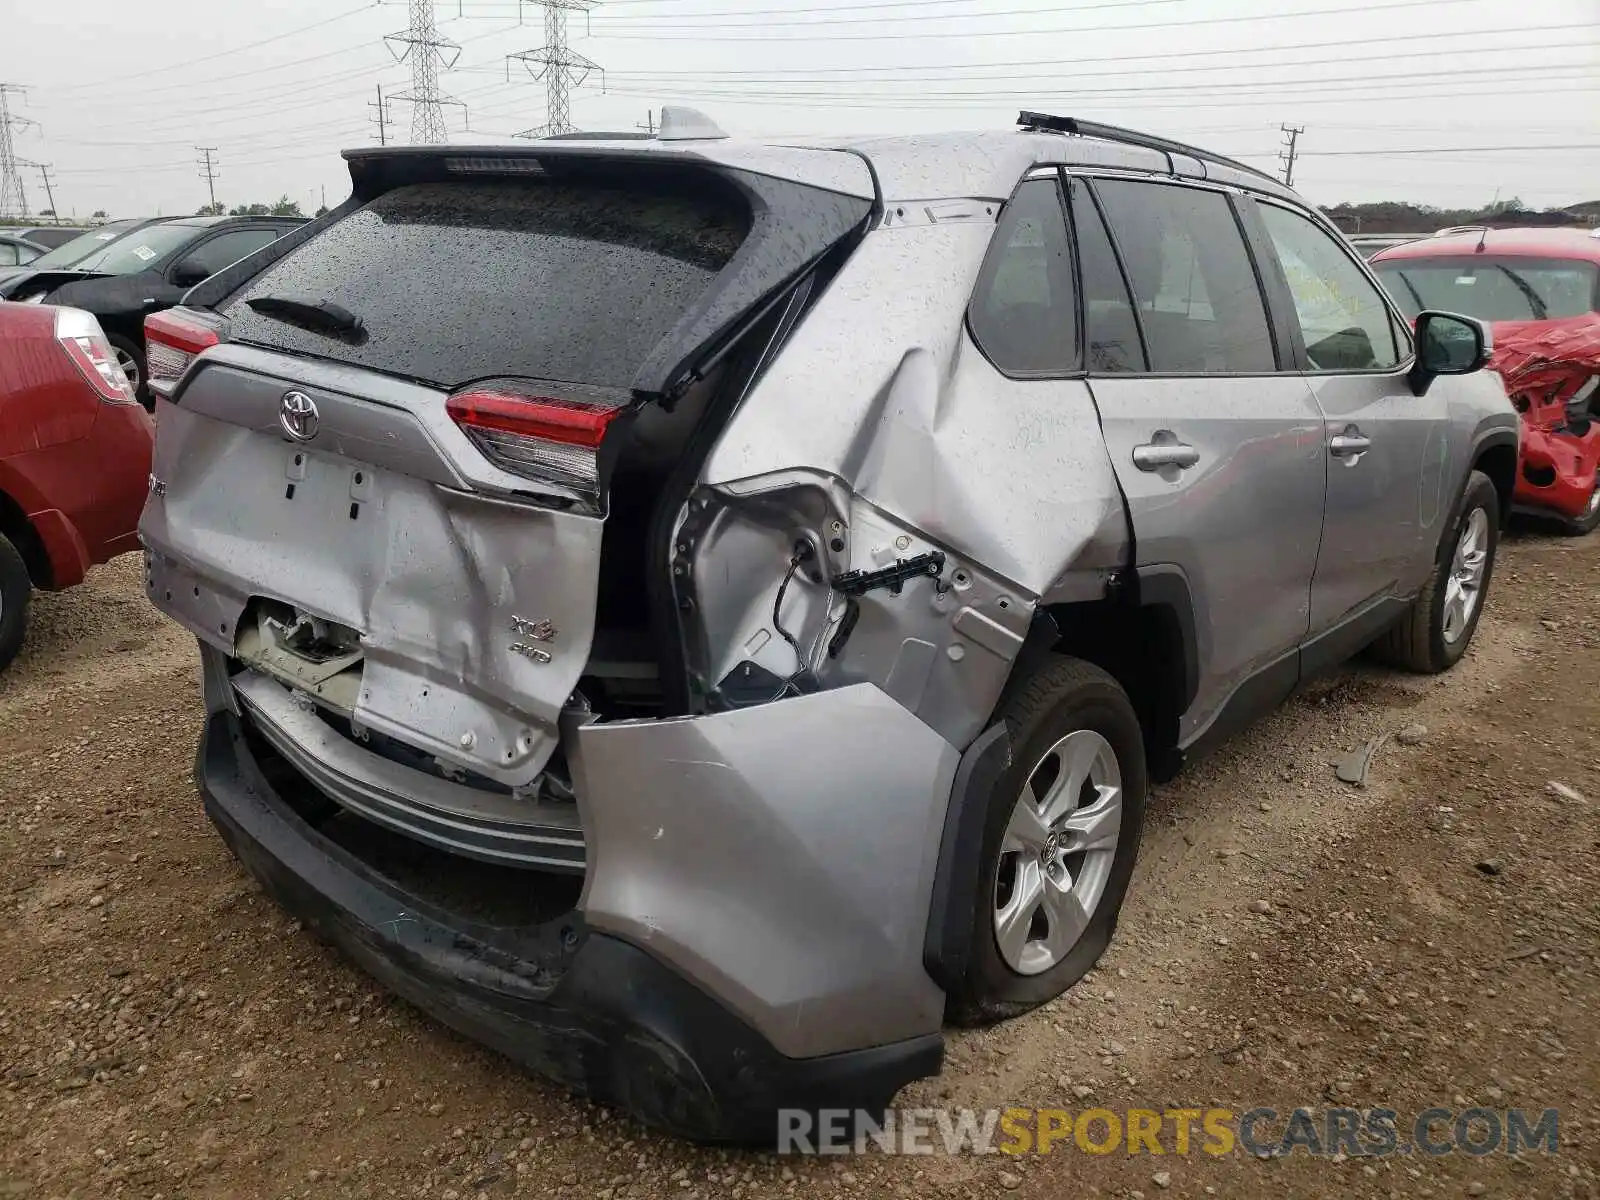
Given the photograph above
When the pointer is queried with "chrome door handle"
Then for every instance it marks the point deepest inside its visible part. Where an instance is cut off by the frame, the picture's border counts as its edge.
(1350, 444)
(1152, 456)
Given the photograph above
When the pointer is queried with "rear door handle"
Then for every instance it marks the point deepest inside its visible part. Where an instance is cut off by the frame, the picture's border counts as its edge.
(1352, 443)
(1164, 451)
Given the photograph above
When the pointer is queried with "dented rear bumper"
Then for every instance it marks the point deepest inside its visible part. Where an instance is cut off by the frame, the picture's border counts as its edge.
(753, 931)
(589, 1009)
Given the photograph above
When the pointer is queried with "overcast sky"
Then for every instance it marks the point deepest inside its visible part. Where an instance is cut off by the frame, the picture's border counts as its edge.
(1441, 101)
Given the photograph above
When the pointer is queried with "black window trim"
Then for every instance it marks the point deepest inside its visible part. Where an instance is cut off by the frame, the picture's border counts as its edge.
(1397, 319)
(1122, 274)
(1232, 195)
(1078, 370)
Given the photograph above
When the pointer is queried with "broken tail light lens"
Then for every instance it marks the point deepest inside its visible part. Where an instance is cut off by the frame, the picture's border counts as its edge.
(85, 342)
(173, 340)
(554, 438)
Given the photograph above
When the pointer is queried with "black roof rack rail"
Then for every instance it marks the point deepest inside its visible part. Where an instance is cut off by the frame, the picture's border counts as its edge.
(1115, 133)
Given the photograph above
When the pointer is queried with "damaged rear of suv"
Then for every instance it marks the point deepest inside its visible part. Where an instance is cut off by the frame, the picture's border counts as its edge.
(761, 540)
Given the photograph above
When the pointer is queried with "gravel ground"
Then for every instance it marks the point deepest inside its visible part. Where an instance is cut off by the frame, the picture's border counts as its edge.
(1289, 940)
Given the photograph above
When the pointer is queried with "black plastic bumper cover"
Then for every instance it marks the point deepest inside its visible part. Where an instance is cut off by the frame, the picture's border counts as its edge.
(590, 1011)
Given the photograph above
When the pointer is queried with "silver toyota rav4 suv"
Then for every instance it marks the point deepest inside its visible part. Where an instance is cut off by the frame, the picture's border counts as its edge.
(698, 615)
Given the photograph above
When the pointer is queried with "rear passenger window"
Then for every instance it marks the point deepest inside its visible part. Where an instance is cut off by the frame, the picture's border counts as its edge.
(1196, 290)
(1022, 312)
(228, 248)
(1110, 330)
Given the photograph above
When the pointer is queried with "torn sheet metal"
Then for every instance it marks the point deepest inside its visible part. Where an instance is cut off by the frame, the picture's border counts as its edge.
(1549, 369)
(1552, 359)
(1010, 473)
(781, 856)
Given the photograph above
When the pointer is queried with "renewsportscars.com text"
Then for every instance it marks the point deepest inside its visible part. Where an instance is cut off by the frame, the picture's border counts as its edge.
(1262, 1132)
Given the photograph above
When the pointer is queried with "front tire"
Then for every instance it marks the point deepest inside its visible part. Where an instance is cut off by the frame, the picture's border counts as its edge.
(1590, 520)
(1060, 839)
(15, 591)
(1433, 636)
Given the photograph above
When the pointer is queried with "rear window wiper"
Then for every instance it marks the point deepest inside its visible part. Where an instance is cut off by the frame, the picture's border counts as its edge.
(308, 312)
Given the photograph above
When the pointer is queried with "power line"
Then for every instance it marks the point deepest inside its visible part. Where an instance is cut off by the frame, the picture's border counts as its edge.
(1390, 5)
(1121, 57)
(13, 194)
(277, 37)
(675, 79)
(829, 21)
(208, 170)
(1292, 134)
(1123, 98)
(561, 67)
(1429, 150)
(427, 52)
(1266, 87)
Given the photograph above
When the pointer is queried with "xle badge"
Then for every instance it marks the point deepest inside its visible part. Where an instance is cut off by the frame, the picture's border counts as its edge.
(540, 630)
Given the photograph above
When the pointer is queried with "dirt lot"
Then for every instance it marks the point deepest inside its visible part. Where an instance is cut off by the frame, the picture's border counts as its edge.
(1431, 939)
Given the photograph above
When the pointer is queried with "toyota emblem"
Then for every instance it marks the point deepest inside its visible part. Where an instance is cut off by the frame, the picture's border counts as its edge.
(297, 413)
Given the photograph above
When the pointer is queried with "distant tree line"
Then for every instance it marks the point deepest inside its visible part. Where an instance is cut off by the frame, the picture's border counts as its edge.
(284, 207)
(1398, 216)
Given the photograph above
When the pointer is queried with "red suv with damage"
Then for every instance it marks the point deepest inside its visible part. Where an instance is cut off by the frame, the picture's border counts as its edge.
(74, 457)
(1539, 289)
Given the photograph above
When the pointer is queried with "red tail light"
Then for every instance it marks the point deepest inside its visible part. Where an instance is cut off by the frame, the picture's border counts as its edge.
(85, 342)
(553, 438)
(173, 340)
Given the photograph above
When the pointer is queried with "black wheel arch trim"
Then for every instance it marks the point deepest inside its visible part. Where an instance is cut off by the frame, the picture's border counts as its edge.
(1493, 439)
(947, 943)
(1164, 585)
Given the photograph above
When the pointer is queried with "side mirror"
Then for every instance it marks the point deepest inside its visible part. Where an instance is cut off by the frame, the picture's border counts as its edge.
(1448, 344)
(190, 272)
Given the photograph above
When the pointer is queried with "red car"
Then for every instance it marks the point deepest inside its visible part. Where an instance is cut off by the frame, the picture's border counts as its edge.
(1540, 291)
(74, 457)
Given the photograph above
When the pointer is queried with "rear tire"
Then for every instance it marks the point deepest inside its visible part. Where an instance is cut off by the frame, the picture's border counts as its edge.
(132, 361)
(15, 591)
(1075, 718)
(1433, 636)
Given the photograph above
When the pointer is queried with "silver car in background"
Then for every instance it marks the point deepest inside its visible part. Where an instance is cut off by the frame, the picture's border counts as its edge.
(809, 552)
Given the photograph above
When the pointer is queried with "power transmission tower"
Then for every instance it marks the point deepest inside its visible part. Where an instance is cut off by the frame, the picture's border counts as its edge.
(381, 116)
(208, 170)
(1290, 149)
(428, 52)
(561, 68)
(13, 196)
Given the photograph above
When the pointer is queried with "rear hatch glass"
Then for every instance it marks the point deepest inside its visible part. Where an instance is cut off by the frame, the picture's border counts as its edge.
(455, 282)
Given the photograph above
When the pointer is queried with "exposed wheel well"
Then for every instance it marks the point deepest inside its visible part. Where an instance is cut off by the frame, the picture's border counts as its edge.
(1142, 648)
(1499, 463)
(14, 524)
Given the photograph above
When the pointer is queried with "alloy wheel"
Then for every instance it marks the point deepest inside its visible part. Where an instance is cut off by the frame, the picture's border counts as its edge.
(1057, 851)
(130, 368)
(1463, 589)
